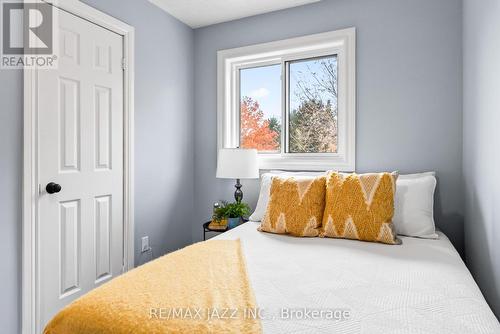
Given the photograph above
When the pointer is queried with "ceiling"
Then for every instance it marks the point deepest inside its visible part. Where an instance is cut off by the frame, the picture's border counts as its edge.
(201, 13)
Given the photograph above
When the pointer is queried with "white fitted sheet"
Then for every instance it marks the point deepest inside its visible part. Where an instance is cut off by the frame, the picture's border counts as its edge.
(421, 286)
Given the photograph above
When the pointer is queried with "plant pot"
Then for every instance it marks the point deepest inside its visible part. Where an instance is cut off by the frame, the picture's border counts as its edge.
(233, 222)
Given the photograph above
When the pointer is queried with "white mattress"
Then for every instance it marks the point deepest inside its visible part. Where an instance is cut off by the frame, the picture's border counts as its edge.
(421, 286)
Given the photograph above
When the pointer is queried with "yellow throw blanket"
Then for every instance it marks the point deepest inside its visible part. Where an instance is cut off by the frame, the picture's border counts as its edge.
(202, 288)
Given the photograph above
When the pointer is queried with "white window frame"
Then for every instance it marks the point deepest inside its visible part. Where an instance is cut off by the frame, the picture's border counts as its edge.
(229, 62)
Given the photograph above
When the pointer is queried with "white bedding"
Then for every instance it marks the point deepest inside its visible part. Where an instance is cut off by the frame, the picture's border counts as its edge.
(421, 286)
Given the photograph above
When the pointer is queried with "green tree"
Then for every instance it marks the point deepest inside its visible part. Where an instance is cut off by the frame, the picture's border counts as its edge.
(313, 128)
(275, 126)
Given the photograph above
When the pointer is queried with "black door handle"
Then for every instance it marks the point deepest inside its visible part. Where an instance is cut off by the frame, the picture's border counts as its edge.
(53, 188)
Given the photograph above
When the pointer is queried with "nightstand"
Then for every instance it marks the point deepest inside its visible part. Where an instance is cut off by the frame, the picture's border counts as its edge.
(207, 229)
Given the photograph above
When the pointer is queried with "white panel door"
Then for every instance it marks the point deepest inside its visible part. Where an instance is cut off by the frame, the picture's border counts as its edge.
(80, 135)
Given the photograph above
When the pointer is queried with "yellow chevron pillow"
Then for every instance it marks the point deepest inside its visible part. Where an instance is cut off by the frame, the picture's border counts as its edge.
(295, 207)
(360, 207)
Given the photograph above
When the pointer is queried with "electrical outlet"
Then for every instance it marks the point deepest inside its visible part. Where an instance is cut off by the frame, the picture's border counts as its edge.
(144, 244)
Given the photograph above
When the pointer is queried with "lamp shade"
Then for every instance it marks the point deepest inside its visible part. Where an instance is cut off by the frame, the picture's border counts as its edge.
(237, 163)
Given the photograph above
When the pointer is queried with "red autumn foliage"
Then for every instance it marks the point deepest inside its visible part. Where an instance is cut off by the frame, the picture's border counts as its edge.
(255, 130)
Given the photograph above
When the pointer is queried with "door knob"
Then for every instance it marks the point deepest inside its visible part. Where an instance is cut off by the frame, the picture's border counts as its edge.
(53, 188)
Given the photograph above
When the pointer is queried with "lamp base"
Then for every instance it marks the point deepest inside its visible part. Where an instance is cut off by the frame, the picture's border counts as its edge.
(238, 194)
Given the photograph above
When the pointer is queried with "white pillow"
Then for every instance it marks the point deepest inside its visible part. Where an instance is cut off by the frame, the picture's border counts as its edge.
(265, 188)
(414, 205)
(414, 202)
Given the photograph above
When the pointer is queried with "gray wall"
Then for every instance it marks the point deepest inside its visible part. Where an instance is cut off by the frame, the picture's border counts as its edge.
(481, 143)
(164, 145)
(409, 115)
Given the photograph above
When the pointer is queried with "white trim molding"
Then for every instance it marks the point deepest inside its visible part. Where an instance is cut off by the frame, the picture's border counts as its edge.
(30, 287)
(229, 62)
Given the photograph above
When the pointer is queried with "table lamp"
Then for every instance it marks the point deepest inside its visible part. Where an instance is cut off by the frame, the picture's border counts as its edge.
(237, 163)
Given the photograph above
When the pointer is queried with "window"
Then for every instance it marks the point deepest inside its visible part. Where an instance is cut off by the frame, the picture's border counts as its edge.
(292, 100)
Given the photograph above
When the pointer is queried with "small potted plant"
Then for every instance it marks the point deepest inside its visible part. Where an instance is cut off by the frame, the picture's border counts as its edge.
(233, 212)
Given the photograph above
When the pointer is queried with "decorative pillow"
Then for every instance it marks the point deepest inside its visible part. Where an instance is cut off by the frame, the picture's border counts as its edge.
(295, 206)
(360, 207)
(265, 188)
(414, 205)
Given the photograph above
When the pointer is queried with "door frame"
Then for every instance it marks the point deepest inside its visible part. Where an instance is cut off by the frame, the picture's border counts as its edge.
(30, 275)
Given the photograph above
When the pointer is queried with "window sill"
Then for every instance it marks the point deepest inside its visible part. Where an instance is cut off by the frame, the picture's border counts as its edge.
(307, 163)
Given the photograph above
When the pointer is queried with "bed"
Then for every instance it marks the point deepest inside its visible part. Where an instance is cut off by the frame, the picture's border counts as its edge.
(297, 285)
(421, 286)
